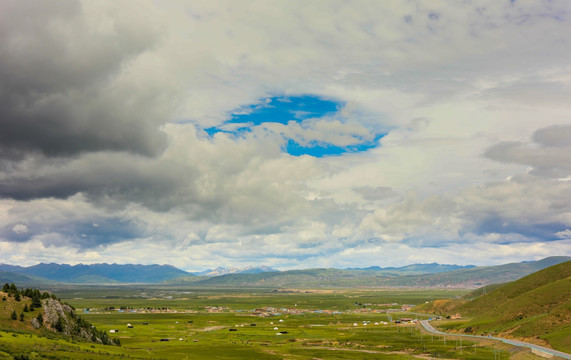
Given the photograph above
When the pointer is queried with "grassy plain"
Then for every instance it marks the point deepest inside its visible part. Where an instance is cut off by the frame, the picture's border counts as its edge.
(241, 299)
(321, 324)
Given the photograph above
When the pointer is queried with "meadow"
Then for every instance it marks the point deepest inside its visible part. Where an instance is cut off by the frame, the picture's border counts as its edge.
(191, 323)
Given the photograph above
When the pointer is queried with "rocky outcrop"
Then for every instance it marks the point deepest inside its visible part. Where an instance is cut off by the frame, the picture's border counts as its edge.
(62, 318)
(36, 323)
(54, 311)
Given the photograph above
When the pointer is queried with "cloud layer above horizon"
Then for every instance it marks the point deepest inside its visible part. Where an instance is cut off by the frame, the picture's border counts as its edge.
(289, 134)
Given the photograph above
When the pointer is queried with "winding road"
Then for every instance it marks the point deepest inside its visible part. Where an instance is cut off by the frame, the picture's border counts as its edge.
(431, 329)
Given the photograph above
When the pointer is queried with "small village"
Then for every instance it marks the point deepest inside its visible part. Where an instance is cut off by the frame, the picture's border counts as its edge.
(266, 311)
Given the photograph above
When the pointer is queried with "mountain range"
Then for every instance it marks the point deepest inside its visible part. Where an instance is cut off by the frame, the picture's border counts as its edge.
(95, 273)
(310, 278)
(415, 269)
(415, 275)
(110, 273)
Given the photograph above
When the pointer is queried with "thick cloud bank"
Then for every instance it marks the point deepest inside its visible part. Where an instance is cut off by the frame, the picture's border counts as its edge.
(447, 136)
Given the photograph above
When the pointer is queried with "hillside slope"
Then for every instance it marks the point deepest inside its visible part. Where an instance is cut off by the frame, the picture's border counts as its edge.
(536, 308)
(33, 312)
(12, 277)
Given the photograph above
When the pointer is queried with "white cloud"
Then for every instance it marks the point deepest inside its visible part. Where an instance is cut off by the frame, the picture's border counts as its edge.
(20, 229)
(108, 142)
(565, 234)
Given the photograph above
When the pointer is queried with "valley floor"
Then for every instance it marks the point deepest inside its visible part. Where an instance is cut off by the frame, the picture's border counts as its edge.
(246, 324)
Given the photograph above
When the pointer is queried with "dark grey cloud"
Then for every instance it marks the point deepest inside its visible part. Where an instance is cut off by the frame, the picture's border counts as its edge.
(191, 182)
(495, 223)
(114, 179)
(65, 87)
(549, 152)
(556, 135)
(85, 233)
(531, 92)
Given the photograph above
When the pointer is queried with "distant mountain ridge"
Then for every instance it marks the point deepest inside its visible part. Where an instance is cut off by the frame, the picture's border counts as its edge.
(431, 268)
(415, 275)
(234, 270)
(467, 277)
(98, 273)
(104, 273)
(480, 275)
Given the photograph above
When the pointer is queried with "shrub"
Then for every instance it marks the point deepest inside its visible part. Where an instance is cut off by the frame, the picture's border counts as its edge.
(21, 357)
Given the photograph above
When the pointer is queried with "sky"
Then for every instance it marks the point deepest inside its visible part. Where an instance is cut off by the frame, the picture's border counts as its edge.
(292, 134)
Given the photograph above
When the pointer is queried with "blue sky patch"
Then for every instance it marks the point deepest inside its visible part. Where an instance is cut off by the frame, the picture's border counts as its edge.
(319, 149)
(283, 110)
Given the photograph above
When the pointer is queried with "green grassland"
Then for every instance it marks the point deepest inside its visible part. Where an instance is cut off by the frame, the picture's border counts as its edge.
(208, 337)
(194, 333)
(198, 298)
(192, 321)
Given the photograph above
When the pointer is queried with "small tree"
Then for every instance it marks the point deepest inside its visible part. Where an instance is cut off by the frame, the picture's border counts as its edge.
(14, 316)
(22, 317)
(26, 308)
(59, 325)
(40, 319)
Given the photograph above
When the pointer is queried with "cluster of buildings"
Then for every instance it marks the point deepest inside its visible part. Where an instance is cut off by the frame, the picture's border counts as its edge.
(216, 309)
(137, 311)
(261, 312)
(271, 311)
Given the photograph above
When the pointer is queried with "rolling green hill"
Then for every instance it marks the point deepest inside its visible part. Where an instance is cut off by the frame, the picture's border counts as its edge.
(482, 291)
(536, 308)
(310, 278)
(10, 277)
